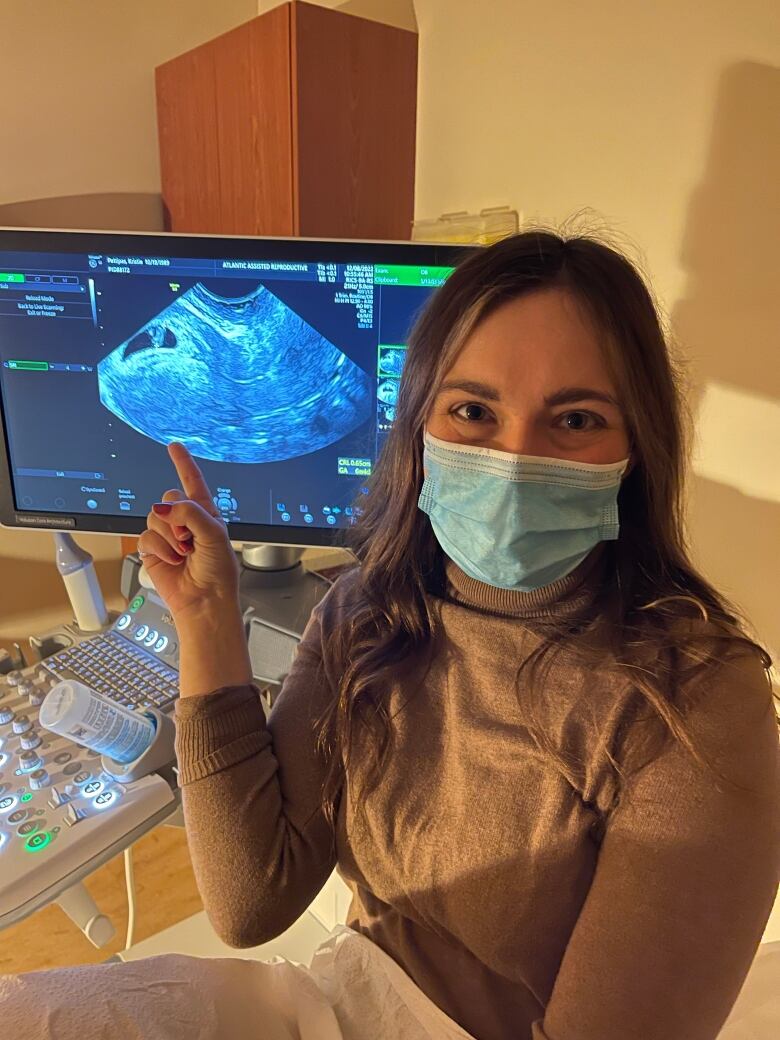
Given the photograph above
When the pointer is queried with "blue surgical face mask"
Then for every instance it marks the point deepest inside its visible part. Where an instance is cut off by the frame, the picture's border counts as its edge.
(517, 521)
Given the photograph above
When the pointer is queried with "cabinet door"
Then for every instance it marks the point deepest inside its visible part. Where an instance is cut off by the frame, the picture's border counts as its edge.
(254, 133)
(187, 131)
(224, 123)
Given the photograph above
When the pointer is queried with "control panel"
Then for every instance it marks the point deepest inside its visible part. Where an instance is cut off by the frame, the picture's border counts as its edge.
(61, 814)
(148, 624)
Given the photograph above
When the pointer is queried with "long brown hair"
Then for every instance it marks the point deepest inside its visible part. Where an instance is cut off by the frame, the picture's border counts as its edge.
(640, 615)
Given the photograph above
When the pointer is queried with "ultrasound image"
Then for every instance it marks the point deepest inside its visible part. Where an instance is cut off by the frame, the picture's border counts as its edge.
(391, 361)
(387, 391)
(235, 380)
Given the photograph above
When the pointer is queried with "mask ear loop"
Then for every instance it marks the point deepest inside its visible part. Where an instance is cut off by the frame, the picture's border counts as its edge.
(422, 458)
(631, 457)
(629, 468)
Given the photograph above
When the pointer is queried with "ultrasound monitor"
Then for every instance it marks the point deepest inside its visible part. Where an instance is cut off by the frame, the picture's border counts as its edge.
(275, 361)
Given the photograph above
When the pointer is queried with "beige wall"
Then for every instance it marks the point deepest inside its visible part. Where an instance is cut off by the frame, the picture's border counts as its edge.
(663, 119)
(392, 12)
(82, 76)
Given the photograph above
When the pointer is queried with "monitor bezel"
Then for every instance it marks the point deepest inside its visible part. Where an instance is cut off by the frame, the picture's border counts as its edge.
(201, 246)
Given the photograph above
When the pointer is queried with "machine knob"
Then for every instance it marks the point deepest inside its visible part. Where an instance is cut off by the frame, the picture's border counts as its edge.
(21, 724)
(39, 779)
(31, 739)
(30, 760)
(15, 677)
(6, 715)
(36, 696)
(23, 688)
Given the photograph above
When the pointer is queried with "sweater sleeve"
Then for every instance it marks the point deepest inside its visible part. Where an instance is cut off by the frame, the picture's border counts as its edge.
(685, 881)
(251, 793)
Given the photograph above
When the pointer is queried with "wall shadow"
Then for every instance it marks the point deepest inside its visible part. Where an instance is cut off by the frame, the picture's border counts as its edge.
(725, 325)
(106, 211)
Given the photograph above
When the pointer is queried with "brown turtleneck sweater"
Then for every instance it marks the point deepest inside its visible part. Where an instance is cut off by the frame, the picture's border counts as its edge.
(525, 907)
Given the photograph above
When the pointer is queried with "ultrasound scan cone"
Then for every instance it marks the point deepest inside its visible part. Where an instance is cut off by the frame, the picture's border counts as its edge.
(235, 380)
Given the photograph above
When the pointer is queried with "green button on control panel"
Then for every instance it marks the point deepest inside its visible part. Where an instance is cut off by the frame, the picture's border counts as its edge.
(37, 841)
(137, 603)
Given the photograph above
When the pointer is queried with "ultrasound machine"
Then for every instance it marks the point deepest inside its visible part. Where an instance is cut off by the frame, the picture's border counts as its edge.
(277, 363)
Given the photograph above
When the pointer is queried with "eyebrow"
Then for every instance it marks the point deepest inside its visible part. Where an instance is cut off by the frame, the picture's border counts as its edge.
(566, 395)
(470, 387)
(571, 394)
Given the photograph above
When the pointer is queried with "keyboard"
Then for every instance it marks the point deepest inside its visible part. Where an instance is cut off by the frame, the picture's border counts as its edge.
(122, 671)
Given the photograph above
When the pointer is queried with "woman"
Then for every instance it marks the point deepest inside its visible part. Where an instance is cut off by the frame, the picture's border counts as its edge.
(536, 742)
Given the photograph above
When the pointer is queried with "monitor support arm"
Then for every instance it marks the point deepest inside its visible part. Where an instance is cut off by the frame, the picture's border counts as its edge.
(258, 556)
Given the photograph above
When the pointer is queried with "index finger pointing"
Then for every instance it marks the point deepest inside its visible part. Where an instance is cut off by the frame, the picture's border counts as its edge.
(192, 480)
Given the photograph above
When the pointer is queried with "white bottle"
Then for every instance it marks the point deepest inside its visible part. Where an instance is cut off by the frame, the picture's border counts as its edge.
(88, 718)
(78, 572)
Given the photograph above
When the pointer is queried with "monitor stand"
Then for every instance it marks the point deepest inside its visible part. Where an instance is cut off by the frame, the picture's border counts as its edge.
(274, 583)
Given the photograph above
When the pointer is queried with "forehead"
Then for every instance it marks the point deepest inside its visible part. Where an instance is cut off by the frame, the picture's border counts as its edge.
(543, 337)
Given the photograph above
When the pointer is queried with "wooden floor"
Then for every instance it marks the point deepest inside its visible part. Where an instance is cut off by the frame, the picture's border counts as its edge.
(165, 893)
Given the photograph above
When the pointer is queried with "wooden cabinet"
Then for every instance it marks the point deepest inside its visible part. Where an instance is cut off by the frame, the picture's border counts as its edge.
(298, 122)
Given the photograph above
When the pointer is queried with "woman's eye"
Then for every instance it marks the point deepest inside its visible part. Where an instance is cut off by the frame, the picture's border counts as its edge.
(579, 422)
(471, 412)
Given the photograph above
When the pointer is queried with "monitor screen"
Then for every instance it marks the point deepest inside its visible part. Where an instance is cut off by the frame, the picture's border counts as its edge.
(275, 361)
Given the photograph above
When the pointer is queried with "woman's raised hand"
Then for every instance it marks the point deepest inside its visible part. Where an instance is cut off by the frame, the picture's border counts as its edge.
(185, 548)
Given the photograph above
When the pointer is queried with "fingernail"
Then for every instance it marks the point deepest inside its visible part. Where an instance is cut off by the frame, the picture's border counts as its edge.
(161, 508)
(186, 546)
(185, 535)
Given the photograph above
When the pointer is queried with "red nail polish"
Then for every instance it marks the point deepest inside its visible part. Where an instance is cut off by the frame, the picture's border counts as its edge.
(161, 508)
